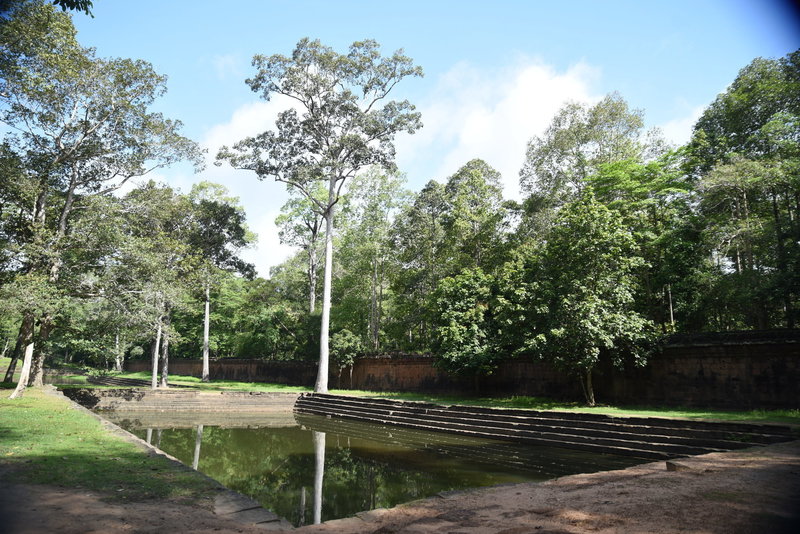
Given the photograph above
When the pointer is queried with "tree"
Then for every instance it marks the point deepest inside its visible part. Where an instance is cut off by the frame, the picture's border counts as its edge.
(580, 295)
(418, 242)
(371, 202)
(217, 233)
(578, 141)
(474, 217)
(82, 134)
(300, 224)
(464, 326)
(343, 124)
(655, 200)
(744, 157)
(345, 346)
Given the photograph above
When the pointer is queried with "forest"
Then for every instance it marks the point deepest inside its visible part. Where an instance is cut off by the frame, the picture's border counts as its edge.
(620, 238)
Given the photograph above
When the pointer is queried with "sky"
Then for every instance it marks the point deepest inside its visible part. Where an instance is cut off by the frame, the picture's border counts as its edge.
(495, 72)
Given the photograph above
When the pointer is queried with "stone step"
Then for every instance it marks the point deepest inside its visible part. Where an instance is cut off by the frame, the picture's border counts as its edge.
(181, 400)
(552, 427)
(735, 432)
(642, 437)
(623, 432)
(628, 449)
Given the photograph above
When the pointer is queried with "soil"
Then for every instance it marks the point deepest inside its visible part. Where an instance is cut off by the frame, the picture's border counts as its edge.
(751, 491)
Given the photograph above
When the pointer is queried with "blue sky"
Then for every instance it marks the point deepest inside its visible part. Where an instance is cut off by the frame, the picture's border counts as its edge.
(495, 72)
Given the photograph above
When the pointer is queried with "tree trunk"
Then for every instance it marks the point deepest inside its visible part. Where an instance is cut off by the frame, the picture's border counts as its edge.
(26, 334)
(321, 385)
(37, 368)
(373, 305)
(312, 275)
(18, 346)
(782, 269)
(154, 354)
(165, 355)
(119, 354)
(319, 473)
(5, 348)
(206, 325)
(302, 520)
(588, 389)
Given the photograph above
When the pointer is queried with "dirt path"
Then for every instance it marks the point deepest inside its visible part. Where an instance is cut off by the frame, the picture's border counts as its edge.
(752, 491)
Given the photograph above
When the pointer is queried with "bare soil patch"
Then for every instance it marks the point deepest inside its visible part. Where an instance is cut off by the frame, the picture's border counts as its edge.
(752, 491)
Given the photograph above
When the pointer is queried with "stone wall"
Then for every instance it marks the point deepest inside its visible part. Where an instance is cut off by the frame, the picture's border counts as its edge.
(756, 370)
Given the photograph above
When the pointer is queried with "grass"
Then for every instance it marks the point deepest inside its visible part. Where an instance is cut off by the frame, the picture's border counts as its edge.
(219, 385)
(45, 440)
(791, 417)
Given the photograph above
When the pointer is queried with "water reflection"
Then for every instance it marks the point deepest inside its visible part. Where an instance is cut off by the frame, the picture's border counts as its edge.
(349, 466)
(319, 472)
(197, 441)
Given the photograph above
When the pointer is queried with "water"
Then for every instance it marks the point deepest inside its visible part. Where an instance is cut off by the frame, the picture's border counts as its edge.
(287, 462)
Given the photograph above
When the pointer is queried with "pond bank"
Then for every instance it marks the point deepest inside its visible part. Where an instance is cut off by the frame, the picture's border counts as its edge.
(753, 490)
(740, 492)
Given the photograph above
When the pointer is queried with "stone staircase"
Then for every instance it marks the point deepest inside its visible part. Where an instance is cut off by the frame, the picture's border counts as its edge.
(117, 381)
(649, 438)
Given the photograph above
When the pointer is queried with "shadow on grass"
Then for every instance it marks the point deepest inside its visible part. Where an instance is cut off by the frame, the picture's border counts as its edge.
(122, 477)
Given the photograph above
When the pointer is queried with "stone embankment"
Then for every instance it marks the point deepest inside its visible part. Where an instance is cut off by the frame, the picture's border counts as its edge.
(182, 400)
(649, 438)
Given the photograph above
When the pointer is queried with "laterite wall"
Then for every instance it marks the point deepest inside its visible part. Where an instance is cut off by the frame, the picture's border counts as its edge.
(734, 370)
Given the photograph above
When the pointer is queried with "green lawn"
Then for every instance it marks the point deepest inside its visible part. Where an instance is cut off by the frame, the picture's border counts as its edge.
(45, 440)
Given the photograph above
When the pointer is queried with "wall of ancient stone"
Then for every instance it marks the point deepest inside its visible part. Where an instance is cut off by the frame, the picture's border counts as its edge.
(723, 371)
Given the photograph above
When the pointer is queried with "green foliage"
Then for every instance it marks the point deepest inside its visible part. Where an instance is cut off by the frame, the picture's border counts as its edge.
(345, 346)
(744, 155)
(463, 329)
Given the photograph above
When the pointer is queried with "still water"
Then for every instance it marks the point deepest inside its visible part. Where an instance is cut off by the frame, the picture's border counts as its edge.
(310, 468)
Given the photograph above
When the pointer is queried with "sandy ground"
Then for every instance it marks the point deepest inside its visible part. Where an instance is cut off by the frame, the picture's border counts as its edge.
(751, 491)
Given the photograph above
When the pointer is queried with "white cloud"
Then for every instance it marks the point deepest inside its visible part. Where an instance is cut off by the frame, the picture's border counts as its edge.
(679, 131)
(489, 115)
(270, 251)
(227, 66)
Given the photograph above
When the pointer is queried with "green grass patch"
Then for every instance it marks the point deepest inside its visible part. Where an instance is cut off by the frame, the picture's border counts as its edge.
(791, 417)
(45, 440)
(218, 385)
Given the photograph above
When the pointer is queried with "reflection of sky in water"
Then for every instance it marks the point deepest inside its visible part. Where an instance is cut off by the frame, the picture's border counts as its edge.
(366, 466)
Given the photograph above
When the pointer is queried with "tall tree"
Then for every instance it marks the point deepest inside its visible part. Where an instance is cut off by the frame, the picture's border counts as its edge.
(580, 294)
(300, 225)
(343, 124)
(218, 232)
(372, 201)
(577, 142)
(474, 217)
(744, 155)
(83, 133)
(418, 242)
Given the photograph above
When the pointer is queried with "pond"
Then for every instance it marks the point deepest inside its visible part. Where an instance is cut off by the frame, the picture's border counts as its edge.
(310, 469)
